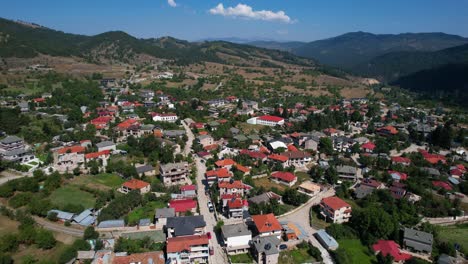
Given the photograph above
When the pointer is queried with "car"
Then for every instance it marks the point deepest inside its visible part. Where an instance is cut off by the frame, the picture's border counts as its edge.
(210, 207)
(283, 247)
(208, 234)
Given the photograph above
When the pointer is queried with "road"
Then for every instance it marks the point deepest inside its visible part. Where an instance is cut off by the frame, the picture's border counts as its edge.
(302, 217)
(8, 176)
(190, 136)
(58, 227)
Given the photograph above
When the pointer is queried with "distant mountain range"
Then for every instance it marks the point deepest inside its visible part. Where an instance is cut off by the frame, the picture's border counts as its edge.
(354, 51)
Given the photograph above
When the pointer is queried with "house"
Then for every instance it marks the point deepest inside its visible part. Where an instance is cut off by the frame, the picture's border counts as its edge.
(146, 170)
(389, 247)
(185, 226)
(86, 218)
(327, 241)
(266, 120)
(398, 176)
(221, 174)
(66, 159)
(387, 131)
(311, 144)
(401, 160)
(335, 209)
(418, 241)
(12, 148)
(162, 214)
(110, 225)
(232, 187)
(135, 184)
(182, 206)
(153, 257)
(397, 190)
(236, 238)
(235, 208)
(101, 157)
(243, 169)
(188, 249)
(280, 159)
(106, 145)
(298, 158)
(441, 184)
(188, 190)
(249, 104)
(309, 188)
(267, 225)
(61, 215)
(265, 249)
(346, 172)
(265, 198)
(174, 173)
(225, 163)
(167, 117)
(205, 140)
(286, 178)
(368, 147)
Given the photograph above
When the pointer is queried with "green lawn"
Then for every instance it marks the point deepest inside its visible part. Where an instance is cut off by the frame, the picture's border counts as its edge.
(455, 234)
(99, 181)
(298, 255)
(146, 211)
(356, 251)
(317, 220)
(241, 258)
(302, 177)
(70, 194)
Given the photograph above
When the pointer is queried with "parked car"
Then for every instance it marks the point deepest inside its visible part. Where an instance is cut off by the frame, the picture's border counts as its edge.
(210, 207)
(283, 247)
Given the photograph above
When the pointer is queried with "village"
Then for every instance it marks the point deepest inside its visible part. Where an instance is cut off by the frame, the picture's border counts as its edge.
(158, 179)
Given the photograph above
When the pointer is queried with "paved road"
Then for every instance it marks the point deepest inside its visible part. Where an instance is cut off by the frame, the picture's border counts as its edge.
(190, 136)
(302, 217)
(219, 255)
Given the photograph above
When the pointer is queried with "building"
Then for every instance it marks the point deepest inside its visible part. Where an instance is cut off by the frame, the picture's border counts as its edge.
(309, 188)
(282, 177)
(327, 241)
(265, 198)
(235, 208)
(418, 241)
(182, 206)
(389, 247)
(106, 145)
(162, 214)
(153, 257)
(265, 249)
(297, 158)
(66, 159)
(347, 172)
(335, 209)
(12, 148)
(267, 225)
(174, 173)
(205, 140)
(135, 184)
(236, 238)
(185, 226)
(169, 117)
(266, 120)
(146, 170)
(188, 249)
(232, 187)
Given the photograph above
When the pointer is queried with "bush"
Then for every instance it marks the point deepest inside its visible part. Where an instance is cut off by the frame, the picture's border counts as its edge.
(45, 239)
(21, 199)
(9, 243)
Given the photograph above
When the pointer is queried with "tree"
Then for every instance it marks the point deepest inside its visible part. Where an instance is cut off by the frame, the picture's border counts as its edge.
(52, 216)
(9, 243)
(90, 233)
(326, 145)
(45, 239)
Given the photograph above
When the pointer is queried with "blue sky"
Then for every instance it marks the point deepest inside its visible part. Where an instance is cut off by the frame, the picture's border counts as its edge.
(304, 20)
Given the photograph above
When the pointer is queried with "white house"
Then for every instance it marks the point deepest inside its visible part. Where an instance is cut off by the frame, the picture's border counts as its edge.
(266, 120)
(169, 117)
(236, 238)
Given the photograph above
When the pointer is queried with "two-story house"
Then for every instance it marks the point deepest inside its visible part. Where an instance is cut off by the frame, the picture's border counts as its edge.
(335, 209)
(174, 173)
(188, 249)
(236, 238)
(267, 225)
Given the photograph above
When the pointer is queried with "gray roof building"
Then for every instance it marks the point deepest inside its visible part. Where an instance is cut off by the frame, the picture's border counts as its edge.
(418, 240)
(268, 244)
(111, 224)
(104, 144)
(144, 169)
(164, 213)
(10, 140)
(326, 240)
(235, 230)
(185, 226)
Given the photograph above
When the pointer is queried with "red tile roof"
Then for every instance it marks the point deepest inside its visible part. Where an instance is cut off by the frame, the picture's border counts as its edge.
(231, 185)
(271, 118)
(266, 223)
(253, 154)
(292, 148)
(135, 184)
(386, 247)
(153, 257)
(190, 187)
(278, 157)
(388, 129)
(442, 184)
(401, 160)
(219, 173)
(225, 162)
(184, 243)
(127, 123)
(369, 145)
(242, 168)
(184, 205)
(94, 155)
(335, 203)
(403, 176)
(73, 149)
(284, 176)
(235, 203)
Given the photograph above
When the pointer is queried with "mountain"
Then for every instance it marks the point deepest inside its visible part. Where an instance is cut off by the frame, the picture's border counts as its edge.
(285, 46)
(448, 82)
(355, 48)
(21, 40)
(393, 65)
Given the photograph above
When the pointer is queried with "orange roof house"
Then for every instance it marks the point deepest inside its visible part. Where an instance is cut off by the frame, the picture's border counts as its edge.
(72, 149)
(267, 224)
(225, 163)
(185, 243)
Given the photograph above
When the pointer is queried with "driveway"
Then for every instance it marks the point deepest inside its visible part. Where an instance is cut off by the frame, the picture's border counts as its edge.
(7, 176)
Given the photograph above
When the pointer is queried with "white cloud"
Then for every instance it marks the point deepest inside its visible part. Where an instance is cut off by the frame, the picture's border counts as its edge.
(247, 12)
(172, 3)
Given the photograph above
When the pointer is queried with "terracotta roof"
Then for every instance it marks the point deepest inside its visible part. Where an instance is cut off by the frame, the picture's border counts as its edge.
(369, 145)
(242, 168)
(284, 176)
(73, 149)
(266, 223)
(94, 155)
(154, 257)
(292, 148)
(271, 118)
(401, 160)
(183, 205)
(335, 203)
(386, 247)
(296, 154)
(442, 184)
(135, 184)
(127, 123)
(184, 243)
(253, 154)
(390, 129)
(219, 173)
(225, 162)
(231, 185)
(190, 187)
(235, 203)
(230, 196)
(278, 157)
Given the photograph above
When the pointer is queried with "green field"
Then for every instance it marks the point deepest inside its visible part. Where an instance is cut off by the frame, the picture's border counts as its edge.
(298, 255)
(356, 251)
(241, 258)
(72, 195)
(455, 234)
(100, 181)
(146, 211)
